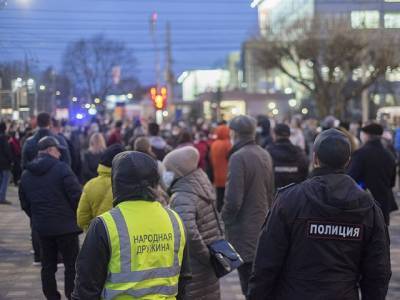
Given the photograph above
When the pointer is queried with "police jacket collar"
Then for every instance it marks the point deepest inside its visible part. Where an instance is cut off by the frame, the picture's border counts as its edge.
(326, 171)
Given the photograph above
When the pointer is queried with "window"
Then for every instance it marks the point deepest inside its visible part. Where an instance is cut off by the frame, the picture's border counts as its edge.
(392, 20)
(365, 19)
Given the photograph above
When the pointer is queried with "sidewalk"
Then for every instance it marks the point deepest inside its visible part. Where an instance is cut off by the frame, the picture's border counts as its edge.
(20, 280)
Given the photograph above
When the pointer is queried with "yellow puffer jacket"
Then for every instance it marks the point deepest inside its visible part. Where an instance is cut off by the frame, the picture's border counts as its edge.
(96, 197)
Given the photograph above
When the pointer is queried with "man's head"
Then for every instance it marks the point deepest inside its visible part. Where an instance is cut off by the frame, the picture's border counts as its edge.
(51, 146)
(134, 177)
(153, 129)
(371, 132)
(43, 120)
(281, 131)
(243, 127)
(108, 155)
(118, 124)
(332, 149)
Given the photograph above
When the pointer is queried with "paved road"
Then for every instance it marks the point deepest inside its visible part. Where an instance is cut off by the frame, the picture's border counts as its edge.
(20, 280)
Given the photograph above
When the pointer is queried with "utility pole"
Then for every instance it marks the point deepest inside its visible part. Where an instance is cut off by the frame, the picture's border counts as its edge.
(364, 96)
(170, 77)
(153, 33)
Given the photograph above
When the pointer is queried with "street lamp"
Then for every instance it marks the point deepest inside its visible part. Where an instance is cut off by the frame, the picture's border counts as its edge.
(41, 87)
(304, 111)
(292, 102)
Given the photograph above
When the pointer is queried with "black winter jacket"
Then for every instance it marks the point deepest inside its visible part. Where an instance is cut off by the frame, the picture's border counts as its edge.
(29, 149)
(323, 239)
(5, 153)
(374, 168)
(290, 163)
(49, 193)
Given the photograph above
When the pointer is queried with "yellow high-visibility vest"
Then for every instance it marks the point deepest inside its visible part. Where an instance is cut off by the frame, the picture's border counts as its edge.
(146, 242)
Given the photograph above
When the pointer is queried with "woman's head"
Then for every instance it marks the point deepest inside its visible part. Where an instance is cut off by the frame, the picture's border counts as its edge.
(97, 144)
(142, 144)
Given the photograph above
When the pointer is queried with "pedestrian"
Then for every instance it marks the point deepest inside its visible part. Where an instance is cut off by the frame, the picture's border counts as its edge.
(374, 168)
(201, 144)
(115, 136)
(290, 162)
(142, 144)
(97, 197)
(49, 193)
(16, 149)
(297, 136)
(185, 139)
(324, 238)
(219, 160)
(126, 253)
(158, 145)
(193, 198)
(249, 192)
(92, 156)
(6, 159)
(29, 149)
(263, 130)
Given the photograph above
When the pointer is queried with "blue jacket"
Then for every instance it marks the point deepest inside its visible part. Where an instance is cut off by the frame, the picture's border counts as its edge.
(49, 193)
(29, 150)
(397, 140)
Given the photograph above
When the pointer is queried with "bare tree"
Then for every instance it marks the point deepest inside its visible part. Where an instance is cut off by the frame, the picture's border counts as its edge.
(332, 61)
(90, 62)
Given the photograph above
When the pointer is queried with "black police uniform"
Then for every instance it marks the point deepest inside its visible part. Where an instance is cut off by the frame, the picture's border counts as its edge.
(290, 162)
(324, 238)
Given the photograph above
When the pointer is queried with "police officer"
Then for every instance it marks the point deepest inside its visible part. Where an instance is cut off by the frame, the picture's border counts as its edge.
(138, 249)
(290, 161)
(324, 238)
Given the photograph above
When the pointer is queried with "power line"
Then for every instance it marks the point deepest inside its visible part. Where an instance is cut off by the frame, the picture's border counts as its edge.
(133, 13)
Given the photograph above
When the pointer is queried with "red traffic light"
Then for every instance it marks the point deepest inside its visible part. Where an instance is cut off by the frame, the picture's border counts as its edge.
(159, 97)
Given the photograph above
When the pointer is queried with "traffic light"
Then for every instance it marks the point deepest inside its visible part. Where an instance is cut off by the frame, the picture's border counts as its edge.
(159, 97)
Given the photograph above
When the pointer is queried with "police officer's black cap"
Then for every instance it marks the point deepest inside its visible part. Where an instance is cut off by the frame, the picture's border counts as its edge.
(332, 148)
(373, 129)
(47, 142)
(282, 130)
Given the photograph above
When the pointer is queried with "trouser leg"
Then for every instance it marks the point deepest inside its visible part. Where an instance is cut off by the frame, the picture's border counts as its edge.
(244, 276)
(49, 267)
(68, 245)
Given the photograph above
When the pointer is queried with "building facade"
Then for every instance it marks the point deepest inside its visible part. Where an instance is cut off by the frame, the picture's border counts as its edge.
(276, 15)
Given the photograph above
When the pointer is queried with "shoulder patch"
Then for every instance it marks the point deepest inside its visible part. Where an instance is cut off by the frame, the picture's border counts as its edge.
(334, 231)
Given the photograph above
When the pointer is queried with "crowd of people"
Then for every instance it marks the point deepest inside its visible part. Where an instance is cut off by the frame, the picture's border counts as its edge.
(153, 198)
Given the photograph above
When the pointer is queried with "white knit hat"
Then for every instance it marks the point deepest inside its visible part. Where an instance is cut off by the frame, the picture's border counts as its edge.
(182, 161)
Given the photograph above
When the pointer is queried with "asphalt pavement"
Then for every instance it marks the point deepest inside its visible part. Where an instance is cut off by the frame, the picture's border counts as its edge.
(19, 279)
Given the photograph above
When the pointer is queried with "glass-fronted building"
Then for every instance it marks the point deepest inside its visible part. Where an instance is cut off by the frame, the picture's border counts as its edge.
(276, 15)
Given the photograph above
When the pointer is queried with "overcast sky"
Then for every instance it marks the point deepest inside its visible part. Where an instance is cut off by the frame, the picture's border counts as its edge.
(203, 31)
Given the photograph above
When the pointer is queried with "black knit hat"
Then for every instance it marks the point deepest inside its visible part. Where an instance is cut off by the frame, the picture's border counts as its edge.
(332, 148)
(108, 155)
(373, 129)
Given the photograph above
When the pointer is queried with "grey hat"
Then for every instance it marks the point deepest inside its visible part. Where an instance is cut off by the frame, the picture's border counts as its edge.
(47, 142)
(243, 125)
(332, 148)
(182, 161)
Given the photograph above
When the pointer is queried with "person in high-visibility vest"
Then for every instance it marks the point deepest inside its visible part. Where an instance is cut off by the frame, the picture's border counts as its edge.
(137, 250)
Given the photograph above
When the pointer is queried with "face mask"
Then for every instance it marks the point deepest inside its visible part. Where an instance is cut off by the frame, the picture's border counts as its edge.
(168, 178)
(259, 129)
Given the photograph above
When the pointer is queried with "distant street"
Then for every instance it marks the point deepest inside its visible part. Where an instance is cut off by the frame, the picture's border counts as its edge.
(20, 280)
